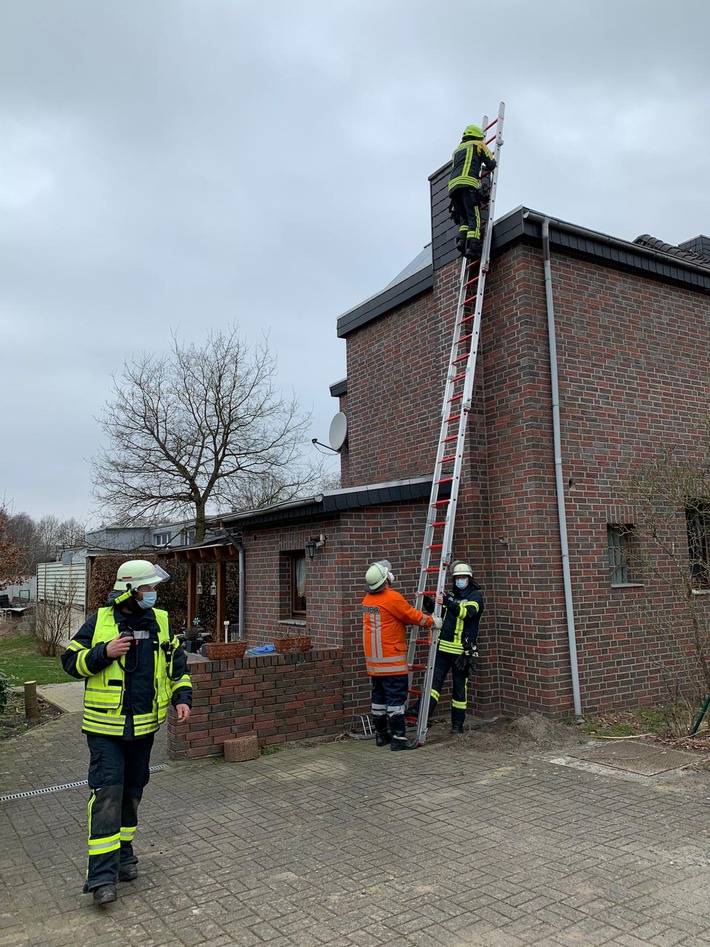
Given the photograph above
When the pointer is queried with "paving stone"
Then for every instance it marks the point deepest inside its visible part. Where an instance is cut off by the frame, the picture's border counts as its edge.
(340, 846)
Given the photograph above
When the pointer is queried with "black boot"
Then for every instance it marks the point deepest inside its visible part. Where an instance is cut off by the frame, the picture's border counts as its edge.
(106, 894)
(473, 249)
(382, 736)
(460, 243)
(399, 734)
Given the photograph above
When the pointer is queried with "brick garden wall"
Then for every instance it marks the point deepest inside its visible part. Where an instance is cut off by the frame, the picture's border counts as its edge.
(280, 697)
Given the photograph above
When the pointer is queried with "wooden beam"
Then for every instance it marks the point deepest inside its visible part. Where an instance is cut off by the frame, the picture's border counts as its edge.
(191, 592)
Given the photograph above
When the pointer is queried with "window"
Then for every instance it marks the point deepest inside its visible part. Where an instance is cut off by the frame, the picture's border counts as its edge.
(161, 539)
(697, 518)
(298, 584)
(622, 553)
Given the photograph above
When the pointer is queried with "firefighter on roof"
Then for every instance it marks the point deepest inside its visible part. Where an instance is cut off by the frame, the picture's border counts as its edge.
(465, 189)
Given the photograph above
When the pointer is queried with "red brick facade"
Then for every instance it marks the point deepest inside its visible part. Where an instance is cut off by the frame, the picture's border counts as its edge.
(632, 366)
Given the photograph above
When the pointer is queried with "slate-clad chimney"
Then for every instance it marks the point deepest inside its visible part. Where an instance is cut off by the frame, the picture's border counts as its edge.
(699, 245)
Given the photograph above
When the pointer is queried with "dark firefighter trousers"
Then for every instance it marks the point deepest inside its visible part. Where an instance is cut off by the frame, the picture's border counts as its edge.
(467, 204)
(443, 664)
(118, 773)
(389, 698)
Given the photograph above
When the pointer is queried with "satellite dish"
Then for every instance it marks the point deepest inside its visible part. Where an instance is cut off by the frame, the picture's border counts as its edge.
(338, 431)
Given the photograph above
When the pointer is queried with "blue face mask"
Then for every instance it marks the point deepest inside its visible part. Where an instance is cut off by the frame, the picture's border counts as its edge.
(460, 583)
(149, 599)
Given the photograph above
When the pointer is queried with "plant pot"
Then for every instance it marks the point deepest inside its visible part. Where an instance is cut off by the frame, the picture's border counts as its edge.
(292, 643)
(221, 650)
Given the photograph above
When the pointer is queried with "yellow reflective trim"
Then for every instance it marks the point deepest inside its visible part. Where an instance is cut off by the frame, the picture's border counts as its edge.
(76, 646)
(435, 695)
(128, 832)
(459, 704)
(100, 846)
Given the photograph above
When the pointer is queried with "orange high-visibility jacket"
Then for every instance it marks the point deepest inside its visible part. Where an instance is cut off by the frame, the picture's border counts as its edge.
(385, 616)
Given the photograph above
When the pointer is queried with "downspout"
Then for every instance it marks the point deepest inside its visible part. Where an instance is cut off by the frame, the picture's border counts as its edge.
(559, 480)
(240, 627)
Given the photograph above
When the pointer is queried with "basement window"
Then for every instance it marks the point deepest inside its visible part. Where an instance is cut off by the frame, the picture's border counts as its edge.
(622, 553)
(697, 518)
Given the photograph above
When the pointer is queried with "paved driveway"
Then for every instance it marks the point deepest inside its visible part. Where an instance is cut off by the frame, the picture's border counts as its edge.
(346, 844)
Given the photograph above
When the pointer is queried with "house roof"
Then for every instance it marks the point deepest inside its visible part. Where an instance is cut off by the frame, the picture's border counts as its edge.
(331, 501)
(682, 252)
(647, 254)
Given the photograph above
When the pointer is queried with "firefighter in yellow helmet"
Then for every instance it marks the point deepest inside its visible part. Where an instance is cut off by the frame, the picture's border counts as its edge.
(465, 189)
(385, 616)
(133, 668)
(456, 650)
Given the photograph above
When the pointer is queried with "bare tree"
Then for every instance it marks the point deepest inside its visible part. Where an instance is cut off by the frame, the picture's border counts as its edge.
(12, 553)
(669, 546)
(200, 431)
(44, 539)
(52, 619)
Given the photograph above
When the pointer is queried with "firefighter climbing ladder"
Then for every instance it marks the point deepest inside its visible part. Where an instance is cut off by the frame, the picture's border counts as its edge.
(441, 515)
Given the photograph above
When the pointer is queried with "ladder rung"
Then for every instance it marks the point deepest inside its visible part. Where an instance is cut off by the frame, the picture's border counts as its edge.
(416, 692)
(448, 458)
(440, 502)
(418, 667)
(457, 397)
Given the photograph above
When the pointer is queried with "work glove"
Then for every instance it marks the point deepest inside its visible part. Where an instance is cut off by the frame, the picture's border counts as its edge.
(462, 663)
(438, 622)
(454, 214)
(428, 605)
(472, 653)
(450, 604)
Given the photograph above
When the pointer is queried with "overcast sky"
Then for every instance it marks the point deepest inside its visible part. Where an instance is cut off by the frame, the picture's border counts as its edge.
(185, 164)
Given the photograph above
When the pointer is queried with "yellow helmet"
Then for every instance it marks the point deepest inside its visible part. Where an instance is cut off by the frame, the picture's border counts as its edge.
(472, 131)
(137, 572)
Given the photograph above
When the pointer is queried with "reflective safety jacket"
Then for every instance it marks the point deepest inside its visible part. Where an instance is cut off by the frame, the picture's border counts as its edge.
(128, 697)
(461, 617)
(385, 616)
(466, 163)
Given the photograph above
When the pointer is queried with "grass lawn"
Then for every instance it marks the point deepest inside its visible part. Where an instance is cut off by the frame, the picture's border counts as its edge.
(20, 661)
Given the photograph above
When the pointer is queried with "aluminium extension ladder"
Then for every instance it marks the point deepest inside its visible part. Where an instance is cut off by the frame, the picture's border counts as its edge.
(441, 515)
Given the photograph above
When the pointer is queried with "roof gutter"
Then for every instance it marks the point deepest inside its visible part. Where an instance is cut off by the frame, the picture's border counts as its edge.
(616, 243)
(559, 479)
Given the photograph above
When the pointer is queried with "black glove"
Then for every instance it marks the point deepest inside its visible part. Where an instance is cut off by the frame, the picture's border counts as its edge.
(463, 663)
(454, 214)
(428, 605)
(450, 604)
(471, 652)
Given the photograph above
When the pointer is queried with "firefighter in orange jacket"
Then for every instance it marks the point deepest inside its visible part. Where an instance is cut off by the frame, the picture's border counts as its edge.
(386, 615)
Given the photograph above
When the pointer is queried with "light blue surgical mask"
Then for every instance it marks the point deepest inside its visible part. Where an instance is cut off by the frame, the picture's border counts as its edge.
(461, 583)
(149, 599)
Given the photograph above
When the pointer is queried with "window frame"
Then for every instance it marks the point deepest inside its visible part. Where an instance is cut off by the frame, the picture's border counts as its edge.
(621, 553)
(697, 521)
(297, 562)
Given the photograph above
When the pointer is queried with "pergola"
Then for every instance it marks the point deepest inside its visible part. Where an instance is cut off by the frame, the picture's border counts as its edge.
(218, 553)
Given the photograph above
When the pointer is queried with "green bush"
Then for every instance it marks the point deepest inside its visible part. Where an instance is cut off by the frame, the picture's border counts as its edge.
(4, 691)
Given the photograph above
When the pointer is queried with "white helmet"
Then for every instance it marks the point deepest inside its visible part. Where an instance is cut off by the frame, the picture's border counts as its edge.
(462, 568)
(137, 572)
(377, 575)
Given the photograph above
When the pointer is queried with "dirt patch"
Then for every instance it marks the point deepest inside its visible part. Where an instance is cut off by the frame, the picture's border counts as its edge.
(533, 731)
(12, 719)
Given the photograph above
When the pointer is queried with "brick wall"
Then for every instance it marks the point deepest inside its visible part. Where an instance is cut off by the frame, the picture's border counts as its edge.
(632, 361)
(280, 697)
